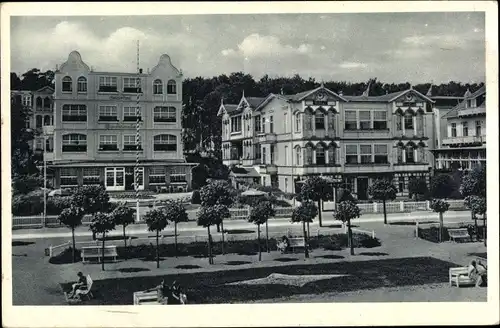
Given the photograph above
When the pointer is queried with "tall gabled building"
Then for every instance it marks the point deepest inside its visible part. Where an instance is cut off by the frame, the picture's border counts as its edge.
(286, 138)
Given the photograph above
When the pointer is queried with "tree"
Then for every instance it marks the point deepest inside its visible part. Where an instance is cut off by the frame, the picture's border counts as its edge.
(176, 213)
(345, 212)
(102, 223)
(208, 216)
(199, 176)
(217, 193)
(123, 215)
(418, 187)
(23, 160)
(91, 199)
(440, 206)
(156, 221)
(477, 205)
(474, 184)
(384, 190)
(305, 212)
(259, 214)
(442, 186)
(316, 189)
(72, 218)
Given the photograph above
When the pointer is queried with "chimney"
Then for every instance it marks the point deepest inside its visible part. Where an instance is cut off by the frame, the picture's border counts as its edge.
(140, 70)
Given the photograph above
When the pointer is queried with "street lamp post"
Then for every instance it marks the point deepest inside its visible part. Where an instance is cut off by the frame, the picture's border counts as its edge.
(44, 178)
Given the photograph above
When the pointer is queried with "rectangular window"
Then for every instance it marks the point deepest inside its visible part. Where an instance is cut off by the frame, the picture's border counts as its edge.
(164, 114)
(351, 184)
(69, 177)
(399, 124)
(453, 130)
(379, 120)
(366, 154)
(157, 175)
(129, 142)
(177, 175)
(82, 85)
(381, 154)
(408, 122)
(286, 155)
(236, 124)
(286, 185)
(285, 118)
(410, 155)
(26, 101)
(130, 114)
(74, 113)
(91, 175)
(108, 142)
(319, 121)
(39, 144)
(297, 122)
(351, 154)
(108, 84)
(256, 122)
(74, 143)
(132, 84)
(350, 120)
(264, 159)
(165, 142)
(478, 128)
(108, 113)
(465, 129)
(271, 125)
(364, 120)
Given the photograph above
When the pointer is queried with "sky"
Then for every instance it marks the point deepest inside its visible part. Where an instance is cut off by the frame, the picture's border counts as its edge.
(394, 47)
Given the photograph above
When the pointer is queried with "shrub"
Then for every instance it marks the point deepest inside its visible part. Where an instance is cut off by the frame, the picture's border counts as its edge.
(25, 205)
(56, 204)
(65, 257)
(195, 197)
(282, 203)
(26, 184)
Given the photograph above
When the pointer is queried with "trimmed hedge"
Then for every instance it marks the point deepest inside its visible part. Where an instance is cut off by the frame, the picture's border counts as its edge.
(65, 257)
(432, 233)
(24, 205)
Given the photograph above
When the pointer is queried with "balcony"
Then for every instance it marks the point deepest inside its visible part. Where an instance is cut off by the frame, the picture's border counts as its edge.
(268, 169)
(268, 138)
(472, 111)
(464, 140)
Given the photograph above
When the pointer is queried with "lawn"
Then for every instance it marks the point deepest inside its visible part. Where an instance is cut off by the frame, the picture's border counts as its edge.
(213, 288)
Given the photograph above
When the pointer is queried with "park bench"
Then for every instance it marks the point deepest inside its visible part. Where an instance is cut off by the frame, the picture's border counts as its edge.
(146, 298)
(84, 292)
(460, 275)
(95, 252)
(458, 234)
(296, 243)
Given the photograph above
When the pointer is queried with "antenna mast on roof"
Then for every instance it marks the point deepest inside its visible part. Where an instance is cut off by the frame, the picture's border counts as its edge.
(137, 136)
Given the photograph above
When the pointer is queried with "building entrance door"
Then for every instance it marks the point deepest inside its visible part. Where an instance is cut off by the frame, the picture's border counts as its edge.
(130, 178)
(362, 184)
(115, 178)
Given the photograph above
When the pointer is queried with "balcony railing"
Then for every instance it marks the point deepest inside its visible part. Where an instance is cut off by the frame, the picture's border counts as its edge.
(464, 140)
(267, 138)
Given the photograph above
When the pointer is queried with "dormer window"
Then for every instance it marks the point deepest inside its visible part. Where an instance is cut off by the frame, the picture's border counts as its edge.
(67, 84)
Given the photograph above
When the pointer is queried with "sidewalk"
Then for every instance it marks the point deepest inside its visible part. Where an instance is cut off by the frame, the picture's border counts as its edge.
(190, 228)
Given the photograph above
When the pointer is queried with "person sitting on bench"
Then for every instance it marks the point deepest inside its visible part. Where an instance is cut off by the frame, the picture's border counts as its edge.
(477, 273)
(80, 284)
(482, 274)
(284, 244)
(163, 292)
(175, 294)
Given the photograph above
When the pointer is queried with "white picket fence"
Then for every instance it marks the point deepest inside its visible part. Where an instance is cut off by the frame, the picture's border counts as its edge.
(398, 207)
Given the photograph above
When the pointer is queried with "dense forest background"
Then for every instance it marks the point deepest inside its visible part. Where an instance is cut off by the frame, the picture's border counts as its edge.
(202, 96)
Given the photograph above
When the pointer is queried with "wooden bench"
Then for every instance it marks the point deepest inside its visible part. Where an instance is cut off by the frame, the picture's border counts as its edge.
(460, 275)
(460, 234)
(296, 243)
(95, 252)
(146, 298)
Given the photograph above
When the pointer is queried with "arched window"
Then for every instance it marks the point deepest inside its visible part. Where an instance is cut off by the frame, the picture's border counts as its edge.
(82, 84)
(297, 122)
(171, 87)
(39, 121)
(74, 143)
(408, 117)
(298, 153)
(46, 120)
(39, 102)
(319, 120)
(48, 145)
(320, 155)
(309, 157)
(332, 154)
(158, 87)
(410, 154)
(47, 103)
(67, 84)
(165, 142)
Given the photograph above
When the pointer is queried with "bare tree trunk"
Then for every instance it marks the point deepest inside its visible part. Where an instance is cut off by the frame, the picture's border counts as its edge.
(440, 227)
(349, 231)
(306, 250)
(210, 261)
(385, 211)
(267, 238)
(222, 232)
(175, 237)
(319, 213)
(258, 242)
(476, 230)
(218, 227)
(102, 255)
(124, 236)
(308, 232)
(157, 250)
(74, 243)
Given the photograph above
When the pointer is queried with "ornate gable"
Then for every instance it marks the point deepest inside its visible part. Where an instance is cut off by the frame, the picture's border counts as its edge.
(165, 67)
(74, 64)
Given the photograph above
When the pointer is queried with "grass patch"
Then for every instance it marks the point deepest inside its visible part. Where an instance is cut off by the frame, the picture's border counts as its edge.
(432, 233)
(188, 266)
(286, 259)
(213, 288)
(373, 253)
(109, 238)
(409, 223)
(481, 255)
(239, 231)
(22, 243)
(132, 270)
(66, 256)
(237, 262)
(331, 257)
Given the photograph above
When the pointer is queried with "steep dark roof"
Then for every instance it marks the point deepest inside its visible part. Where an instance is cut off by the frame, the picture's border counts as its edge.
(230, 108)
(454, 111)
(255, 101)
(479, 92)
